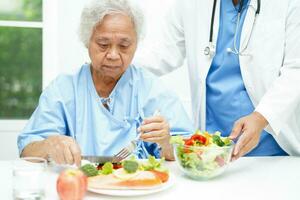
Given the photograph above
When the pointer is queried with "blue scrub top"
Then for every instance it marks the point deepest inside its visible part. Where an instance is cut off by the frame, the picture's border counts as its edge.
(71, 106)
(226, 97)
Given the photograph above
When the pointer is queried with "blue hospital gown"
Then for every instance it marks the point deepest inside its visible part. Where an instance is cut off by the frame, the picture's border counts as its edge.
(71, 106)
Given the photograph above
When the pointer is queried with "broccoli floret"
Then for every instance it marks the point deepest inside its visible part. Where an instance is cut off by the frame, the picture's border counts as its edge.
(89, 170)
(130, 166)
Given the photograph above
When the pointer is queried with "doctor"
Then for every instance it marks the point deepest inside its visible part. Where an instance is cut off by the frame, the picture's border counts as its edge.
(243, 58)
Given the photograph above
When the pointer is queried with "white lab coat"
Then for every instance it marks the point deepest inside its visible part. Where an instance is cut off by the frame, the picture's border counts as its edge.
(271, 74)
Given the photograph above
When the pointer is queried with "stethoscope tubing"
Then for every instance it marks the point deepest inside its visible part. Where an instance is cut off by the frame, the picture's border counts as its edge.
(209, 50)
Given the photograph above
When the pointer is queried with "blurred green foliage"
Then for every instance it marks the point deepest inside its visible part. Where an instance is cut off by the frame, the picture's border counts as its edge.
(21, 66)
(26, 10)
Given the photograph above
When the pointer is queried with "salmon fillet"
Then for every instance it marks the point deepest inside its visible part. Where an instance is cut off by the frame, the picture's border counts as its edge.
(138, 180)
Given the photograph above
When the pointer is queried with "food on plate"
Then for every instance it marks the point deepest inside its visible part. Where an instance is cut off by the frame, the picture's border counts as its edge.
(130, 166)
(115, 165)
(107, 168)
(133, 174)
(71, 184)
(89, 170)
(202, 155)
(140, 180)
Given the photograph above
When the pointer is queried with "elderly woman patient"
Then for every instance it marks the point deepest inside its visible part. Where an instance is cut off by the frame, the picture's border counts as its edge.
(102, 107)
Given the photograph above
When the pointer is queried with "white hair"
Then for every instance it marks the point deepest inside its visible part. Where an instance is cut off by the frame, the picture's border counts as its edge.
(93, 14)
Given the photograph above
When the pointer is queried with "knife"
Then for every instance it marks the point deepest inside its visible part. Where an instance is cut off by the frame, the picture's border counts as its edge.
(99, 159)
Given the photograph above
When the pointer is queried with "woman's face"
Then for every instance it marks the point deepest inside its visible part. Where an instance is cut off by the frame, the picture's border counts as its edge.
(112, 46)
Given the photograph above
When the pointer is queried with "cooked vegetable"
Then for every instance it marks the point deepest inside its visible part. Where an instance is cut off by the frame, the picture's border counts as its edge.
(163, 176)
(89, 170)
(154, 164)
(130, 166)
(115, 165)
(107, 168)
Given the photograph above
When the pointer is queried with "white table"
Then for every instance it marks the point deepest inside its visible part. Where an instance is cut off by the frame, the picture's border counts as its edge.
(269, 178)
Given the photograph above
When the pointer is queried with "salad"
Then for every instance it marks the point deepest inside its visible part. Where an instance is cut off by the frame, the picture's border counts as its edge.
(203, 155)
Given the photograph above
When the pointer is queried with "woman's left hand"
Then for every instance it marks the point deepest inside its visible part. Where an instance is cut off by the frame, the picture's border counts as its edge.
(249, 128)
(156, 129)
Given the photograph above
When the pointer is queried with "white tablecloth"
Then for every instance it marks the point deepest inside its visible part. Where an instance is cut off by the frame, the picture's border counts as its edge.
(247, 178)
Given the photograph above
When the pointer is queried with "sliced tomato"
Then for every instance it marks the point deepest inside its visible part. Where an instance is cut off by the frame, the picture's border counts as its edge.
(117, 165)
(163, 176)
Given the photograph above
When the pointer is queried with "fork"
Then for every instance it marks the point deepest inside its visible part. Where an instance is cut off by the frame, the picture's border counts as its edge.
(126, 151)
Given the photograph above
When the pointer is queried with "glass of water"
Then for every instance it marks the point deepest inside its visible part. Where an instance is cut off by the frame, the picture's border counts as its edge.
(29, 178)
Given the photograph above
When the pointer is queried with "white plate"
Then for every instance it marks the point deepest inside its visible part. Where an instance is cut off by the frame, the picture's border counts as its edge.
(132, 192)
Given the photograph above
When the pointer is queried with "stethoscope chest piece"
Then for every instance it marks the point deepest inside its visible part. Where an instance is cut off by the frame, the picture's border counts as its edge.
(209, 50)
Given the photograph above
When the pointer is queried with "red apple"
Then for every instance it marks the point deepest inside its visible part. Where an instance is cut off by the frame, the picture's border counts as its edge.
(71, 184)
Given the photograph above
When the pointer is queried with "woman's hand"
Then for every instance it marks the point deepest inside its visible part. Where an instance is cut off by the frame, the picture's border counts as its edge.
(61, 149)
(156, 129)
(249, 128)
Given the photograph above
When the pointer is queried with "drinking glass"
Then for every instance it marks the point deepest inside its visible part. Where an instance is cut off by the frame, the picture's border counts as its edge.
(29, 178)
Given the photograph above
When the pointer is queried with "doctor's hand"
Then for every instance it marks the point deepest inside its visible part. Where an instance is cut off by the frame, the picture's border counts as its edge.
(249, 128)
(156, 129)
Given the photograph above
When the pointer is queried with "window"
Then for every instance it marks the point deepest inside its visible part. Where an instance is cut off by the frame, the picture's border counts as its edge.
(38, 41)
(20, 57)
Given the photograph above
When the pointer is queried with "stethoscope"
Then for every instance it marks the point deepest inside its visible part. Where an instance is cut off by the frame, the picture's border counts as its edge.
(210, 50)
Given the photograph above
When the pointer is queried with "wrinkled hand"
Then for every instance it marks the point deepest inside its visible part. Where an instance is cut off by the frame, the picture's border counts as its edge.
(155, 129)
(249, 128)
(63, 150)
